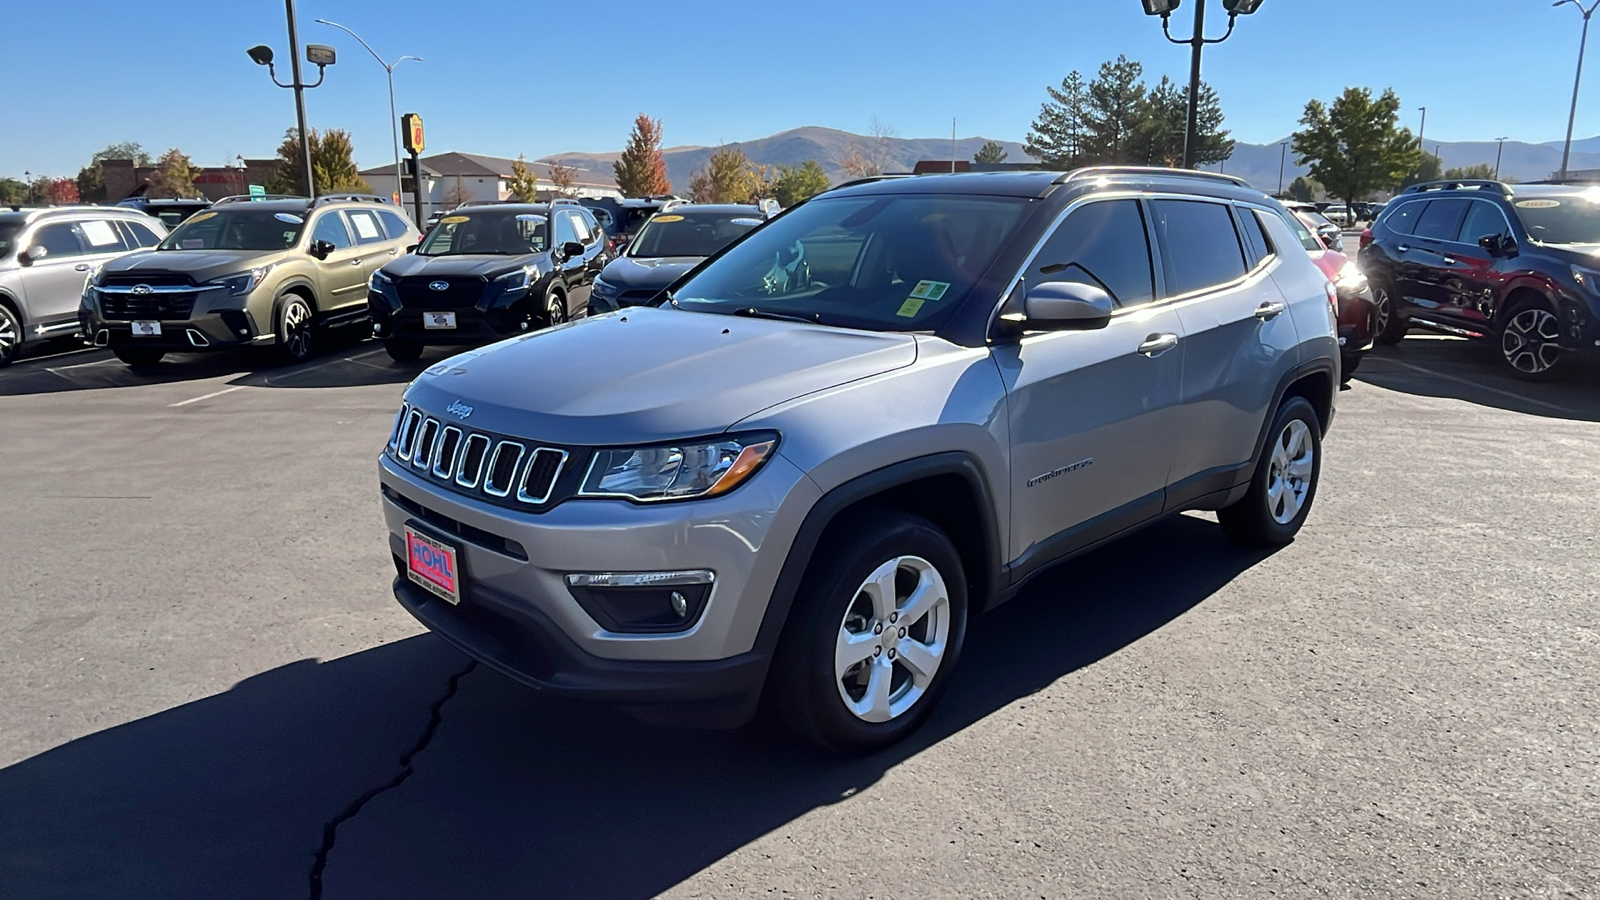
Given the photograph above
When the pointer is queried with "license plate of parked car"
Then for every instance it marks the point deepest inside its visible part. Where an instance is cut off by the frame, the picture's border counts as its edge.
(434, 565)
(146, 329)
(439, 320)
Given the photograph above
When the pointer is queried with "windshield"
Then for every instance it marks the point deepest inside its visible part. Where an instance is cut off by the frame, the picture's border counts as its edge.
(687, 233)
(8, 237)
(1568, 219)
(236, 229)
(887, 263)
(497, 233)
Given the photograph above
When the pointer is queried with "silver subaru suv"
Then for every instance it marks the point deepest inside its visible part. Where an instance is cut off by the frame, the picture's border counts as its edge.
(827, 446)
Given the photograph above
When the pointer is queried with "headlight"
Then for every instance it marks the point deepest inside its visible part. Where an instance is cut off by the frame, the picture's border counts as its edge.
(604, 288)
(379, 279)
(520, 280)
(1351, 277)
(677, 471)
(242, 283)
(94, 275)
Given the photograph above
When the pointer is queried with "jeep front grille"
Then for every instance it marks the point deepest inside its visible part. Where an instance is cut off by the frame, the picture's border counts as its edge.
(505, 471)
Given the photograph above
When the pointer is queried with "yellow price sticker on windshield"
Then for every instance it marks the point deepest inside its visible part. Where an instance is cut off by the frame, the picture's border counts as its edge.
(454, 220)
(201, 217)
(667, 219)
(911, 307)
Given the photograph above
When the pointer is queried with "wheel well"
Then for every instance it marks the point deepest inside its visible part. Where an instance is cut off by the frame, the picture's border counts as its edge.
(950, 502)
(1520, 296)
(10, 303)
(1317, 389)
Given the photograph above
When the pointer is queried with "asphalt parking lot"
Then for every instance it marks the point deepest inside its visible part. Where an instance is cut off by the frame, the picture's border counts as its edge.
(210, 692)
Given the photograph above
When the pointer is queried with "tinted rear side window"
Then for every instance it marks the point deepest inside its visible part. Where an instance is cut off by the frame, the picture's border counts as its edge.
(143, 235)
(1103, 244)
(1442, 219)
(1403, 220)
(393, 225)
(1202, 246)
(1252, 230)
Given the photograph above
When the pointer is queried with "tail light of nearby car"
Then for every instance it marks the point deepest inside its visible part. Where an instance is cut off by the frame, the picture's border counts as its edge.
(1366, 238)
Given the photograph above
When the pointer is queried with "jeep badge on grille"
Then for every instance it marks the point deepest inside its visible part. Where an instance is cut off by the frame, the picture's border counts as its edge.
(457, 408)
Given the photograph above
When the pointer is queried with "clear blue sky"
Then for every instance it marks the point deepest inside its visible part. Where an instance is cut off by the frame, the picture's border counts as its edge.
(510, 76)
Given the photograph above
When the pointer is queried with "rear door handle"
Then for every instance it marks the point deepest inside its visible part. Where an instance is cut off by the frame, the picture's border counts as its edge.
(81, 267)
(1157, 344)
(1449, 260)
(1269, 310)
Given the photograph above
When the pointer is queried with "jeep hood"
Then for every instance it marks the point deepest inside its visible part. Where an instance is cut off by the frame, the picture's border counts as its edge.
(649, 374)
(201, 265)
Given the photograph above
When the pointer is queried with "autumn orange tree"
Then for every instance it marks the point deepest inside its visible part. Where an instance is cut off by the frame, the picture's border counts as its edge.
(642, 170)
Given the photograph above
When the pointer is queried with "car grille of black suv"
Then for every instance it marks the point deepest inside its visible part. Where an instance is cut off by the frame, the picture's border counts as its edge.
(501, 470)
(152, 296)
(459, 293)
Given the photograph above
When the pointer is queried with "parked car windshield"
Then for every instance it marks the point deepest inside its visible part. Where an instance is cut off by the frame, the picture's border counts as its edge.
(1565, 219)
(237, 229)
(899, 262)
(495, 232)
(687, 233)
(8, 237)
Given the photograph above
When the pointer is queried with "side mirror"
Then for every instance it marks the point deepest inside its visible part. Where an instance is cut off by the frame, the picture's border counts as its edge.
(1065, 306)
(321, 249)
(412, 248)
(571, 249)
(1498, 245)
(32, 255)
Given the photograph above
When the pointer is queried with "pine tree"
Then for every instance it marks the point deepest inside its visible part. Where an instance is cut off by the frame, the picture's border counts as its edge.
(1113, 110)
(1057, 136)
(642, 170)
(524, 185)
(796, 183)
(990, 152)
(332, 165)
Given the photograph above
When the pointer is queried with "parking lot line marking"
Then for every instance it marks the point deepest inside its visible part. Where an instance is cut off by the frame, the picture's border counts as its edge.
(1481, 387)
(98, 362)
(237, 387)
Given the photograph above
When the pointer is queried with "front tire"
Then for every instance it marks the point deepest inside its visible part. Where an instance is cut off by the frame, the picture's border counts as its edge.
(1530, 342)
(296, 329)
(138, 357)
(555, 310)
(877, 627)
(10, 336)
(403, 351)
(1284, 483)
(1387, 326)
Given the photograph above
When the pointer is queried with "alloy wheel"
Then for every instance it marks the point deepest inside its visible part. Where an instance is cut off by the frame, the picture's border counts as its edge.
(893, 638)
(556, 310)
(10, 335)
(1531, 341)
(297, 329)
(1289, 473)
(1380, 311)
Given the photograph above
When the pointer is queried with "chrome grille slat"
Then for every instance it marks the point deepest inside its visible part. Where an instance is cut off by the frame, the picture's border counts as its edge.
(462, 475)
(399, 423)
(547, 475)
(408, 435)
(427, 438)
(444, 460)
(490, 486)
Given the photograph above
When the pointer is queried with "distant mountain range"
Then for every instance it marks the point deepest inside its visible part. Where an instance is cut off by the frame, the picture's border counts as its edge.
(1257, 163)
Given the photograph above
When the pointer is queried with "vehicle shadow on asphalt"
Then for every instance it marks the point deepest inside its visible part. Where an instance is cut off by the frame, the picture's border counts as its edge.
(342, 360)
(516, 795)
(1466, 370)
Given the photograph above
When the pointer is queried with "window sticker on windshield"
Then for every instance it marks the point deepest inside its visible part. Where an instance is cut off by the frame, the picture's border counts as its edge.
(194, 244)
(911, 307)
(201, 217)
(749, 223)
(667, 219)
(99, 233)
(930, 290)
(454, 220)
(286, 218)
(1538, 204)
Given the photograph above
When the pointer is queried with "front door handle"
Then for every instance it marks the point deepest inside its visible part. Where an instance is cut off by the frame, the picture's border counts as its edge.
(1269, 310)
(1403, 248)
(1449, 260)
(355, 262)
(393, 251)
(1157, 344)
(81, 267)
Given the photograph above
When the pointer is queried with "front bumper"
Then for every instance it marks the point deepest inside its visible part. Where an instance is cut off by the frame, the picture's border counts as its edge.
(206, 331)
(517, 614)
(474, 325)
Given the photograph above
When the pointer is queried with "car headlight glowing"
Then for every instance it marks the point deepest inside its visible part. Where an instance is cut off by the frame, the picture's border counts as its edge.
(679, 471)
(1351, 277)
(242, 283)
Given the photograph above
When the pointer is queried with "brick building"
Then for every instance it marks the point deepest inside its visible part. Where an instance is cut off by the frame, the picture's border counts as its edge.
(124, 179)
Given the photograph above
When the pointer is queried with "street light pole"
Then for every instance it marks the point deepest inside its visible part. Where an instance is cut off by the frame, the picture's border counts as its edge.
(1499, 149)
(394, 120)
(1422, 129)
(1583, 43)
(300, 98)
(1197, 42)
(28, 177)
(1283, 157)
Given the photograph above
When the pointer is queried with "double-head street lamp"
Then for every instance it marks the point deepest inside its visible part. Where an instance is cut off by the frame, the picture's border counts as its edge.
(394, 122)
(1164, 9)
(1566, 151)
(319, 55)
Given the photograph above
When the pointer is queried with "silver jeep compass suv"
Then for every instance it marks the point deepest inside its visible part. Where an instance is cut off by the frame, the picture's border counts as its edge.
(880, 412)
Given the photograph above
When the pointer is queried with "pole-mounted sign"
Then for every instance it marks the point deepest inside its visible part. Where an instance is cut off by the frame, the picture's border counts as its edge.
(411, 125)
(411, 128)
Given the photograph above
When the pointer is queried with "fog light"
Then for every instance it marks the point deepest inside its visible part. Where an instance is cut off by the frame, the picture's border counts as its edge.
(680, 604)
(642, 602)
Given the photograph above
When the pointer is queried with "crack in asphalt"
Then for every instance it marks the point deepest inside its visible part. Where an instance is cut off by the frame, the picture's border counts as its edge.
(330, 831)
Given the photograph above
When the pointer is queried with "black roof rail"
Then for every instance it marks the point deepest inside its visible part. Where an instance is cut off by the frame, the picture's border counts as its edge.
(247, 198)
(349, 198)
(1162, 171)
(869, 180)
(1458, 184)
(1593, 179)
(565, 201)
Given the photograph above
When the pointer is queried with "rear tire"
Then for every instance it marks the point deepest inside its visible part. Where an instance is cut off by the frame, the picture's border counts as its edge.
(296, 329)
(876, 629)
(138, 357)
(403, 351)
(1530, 342)
(1284, 483)
(10, 335)
(1387, 326)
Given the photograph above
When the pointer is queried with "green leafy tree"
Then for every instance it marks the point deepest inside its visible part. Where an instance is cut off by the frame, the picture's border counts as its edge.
(1059, 137)
(727, 177)
(1356, 146)
(524, 185)
(641, 170)
(990, 152)
(565, 178)
(173, 177)
(332, 165)
(796, 183)
(13, 191)
(1478, 171)
(1304, 189)
(1431, 168)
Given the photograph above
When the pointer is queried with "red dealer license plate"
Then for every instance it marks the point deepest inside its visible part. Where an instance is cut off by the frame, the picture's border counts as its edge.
(434, 565)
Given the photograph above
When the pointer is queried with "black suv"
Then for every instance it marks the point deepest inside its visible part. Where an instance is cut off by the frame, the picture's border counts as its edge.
(172, 213)
(488, 272)
(1486, 259)
(622, 219)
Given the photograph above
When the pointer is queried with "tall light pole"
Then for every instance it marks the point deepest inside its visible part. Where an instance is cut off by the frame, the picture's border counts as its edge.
(323, 56)
(394, 120)
(1422, 129)
(1197, 42)
(1499, 149)
(1283, 157)
(28, 177)
(1583, 43)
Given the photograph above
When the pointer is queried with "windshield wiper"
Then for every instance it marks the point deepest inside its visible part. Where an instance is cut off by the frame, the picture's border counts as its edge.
(751, 312)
